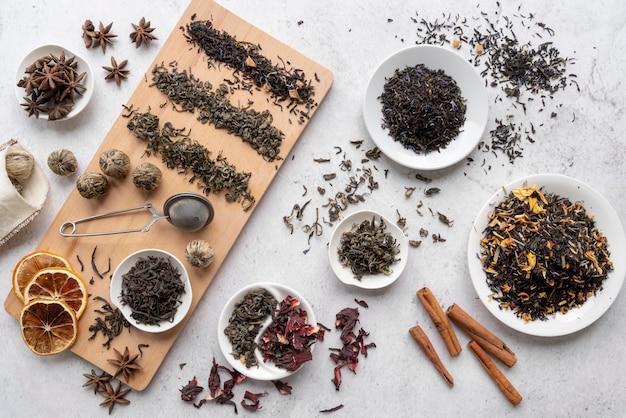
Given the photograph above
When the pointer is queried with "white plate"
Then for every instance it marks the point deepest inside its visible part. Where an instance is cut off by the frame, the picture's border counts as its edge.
(368, 281)
(116, 290)
(265, 370)
(472, 88)
(606, 221)
(83, 67)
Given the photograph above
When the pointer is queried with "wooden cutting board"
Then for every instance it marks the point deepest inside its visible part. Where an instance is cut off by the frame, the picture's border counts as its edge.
(230, 218)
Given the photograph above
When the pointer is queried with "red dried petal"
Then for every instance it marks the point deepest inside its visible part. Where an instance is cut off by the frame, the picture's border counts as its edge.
(190, 391)
(337, 379)
(283, 387)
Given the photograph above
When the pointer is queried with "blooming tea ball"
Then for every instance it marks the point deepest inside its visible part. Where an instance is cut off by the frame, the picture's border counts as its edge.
(115, 163)
(199, 253)
(147, 177)
(62, 162)
(92, 184)
(19, 163)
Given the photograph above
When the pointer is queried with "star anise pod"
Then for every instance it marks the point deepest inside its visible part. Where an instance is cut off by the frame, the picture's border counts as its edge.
(126, 364)
(47, 78)
(142, 34)
(89, 33)
(98, 381)
(103, 37)
(72, 86)
(59, 110)
(34, 105)
(114, 396)
(117, 71)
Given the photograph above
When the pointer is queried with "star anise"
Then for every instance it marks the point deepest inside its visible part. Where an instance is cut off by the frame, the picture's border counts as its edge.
(142, 34)
(72, 86)
(89, 33)
(59, 110)
(114, 396)
(47, 78)
(126, 364)
(117, 71)
(103, 37)
(34, 105)
(98, 381)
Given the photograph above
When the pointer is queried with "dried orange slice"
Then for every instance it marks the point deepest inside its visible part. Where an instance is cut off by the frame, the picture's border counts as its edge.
(48, 326)
(58, 283)
(31, 264)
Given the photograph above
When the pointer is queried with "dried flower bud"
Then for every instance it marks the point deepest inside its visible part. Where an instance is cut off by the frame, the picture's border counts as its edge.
(199, 253)
(19, 163)
(115, 163)
(92, 184)
(147, 176)
(62, 162)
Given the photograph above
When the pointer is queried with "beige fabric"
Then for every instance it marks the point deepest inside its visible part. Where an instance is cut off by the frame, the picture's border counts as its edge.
(17, 210)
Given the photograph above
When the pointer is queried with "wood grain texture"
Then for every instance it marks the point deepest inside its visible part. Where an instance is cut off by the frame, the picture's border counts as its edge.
(230, 218)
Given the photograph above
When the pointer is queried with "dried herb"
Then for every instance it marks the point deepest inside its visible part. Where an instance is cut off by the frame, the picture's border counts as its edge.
(245, 58)
(543, 254)
(333, 409)
(153, 289)
(366, 248)
(354, 344)
(188, 156)
(245, 323)
(97, 38)
(282, 387)
(223, 395)
(423, 109)
(111, 323)
(253, 127)
(288, 340)
(250, 400)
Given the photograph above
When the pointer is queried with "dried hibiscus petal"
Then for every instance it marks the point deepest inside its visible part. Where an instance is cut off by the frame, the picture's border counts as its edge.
(288, 340)
(283, 387)
(250, 400)
(190, 391)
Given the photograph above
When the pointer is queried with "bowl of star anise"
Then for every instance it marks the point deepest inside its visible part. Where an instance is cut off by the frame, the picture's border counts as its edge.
(53, 83)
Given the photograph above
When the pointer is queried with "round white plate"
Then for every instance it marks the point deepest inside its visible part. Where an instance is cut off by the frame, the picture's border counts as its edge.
(606, 220)
(83, 67)
(472, 88)
(265, 370)
(368, 281)
(116, 290)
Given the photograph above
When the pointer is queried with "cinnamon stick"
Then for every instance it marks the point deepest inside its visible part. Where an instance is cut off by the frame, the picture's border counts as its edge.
(422, 340)
(496, 374)
(440, 320)
(487, 340)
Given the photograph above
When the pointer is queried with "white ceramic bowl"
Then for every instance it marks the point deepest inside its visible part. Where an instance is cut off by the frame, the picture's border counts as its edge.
(368, 281)
(606, 220)
(116, 290)
(472, 89)
(83, 67)
(265, 370)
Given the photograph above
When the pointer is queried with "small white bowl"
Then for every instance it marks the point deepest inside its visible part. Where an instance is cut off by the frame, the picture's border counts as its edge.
(83, 67)
(116, 290)
(265, 370)
(472, 89)
(368, 281)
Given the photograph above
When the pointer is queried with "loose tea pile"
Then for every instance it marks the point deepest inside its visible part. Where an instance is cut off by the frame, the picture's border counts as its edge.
(287, 342)
(543, 254)
(368, 249)
(188, 156)
(153, 289)
(254, 128)
(422, 108)
(245, 323)
(505, 59)
(245, 58)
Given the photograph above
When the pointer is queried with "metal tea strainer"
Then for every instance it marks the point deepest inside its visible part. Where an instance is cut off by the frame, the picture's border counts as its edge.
(186, 211)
